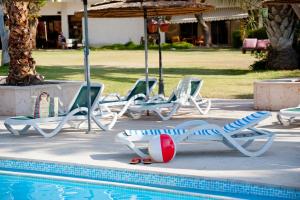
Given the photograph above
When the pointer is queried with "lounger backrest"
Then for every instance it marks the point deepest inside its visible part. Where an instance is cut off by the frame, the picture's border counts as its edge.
(140, 87)
(246, 122)
(195, 88)
(81, 97)
(182, 92)
(196, 85)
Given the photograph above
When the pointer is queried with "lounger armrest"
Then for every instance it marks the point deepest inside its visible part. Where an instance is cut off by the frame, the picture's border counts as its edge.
(111, 96)
(190, 124)
(158, 97)
(137, 96)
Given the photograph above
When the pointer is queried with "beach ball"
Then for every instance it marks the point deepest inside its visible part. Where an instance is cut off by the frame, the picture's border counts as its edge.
(162, 148)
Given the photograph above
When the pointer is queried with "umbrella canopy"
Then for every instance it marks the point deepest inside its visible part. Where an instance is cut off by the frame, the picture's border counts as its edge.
(135, 8)
(266, 2)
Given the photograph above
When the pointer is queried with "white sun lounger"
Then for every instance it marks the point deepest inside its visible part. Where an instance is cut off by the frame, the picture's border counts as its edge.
(289, 115)
(237, 135)
(77, 112)
(187, 93)
(136, 94)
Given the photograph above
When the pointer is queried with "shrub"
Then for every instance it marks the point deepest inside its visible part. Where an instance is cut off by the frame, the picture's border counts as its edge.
(261, 64)
(236, 39)
(260, 33)
(132, 46)
(182, 45)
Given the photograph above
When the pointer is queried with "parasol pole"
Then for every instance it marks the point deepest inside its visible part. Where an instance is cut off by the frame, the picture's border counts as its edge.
(86, 64)
(146, 52)
(160, 69)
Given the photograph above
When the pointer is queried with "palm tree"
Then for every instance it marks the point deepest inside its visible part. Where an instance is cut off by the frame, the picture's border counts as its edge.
(22, 65)
(281, 25)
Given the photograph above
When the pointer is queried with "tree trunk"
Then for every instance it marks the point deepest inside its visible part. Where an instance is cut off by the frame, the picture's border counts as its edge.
(207, 35)
(4, 36)
(22, 65)
(281, 24)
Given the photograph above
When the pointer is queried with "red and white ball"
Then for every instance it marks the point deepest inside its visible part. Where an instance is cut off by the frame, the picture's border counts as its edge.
(162, 148)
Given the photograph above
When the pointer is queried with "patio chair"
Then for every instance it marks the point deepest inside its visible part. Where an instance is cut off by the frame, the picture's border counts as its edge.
(187, 93)
(77, 111)
(249, 44)
(136, 94)
(288, 115)
(237, 135)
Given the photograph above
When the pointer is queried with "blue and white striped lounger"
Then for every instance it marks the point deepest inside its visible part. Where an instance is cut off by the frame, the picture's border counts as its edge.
(232, 134)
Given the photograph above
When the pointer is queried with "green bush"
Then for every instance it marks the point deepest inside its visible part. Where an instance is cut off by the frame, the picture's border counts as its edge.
(260, 33)
(259, 65)
(236, 39)
(132, 46)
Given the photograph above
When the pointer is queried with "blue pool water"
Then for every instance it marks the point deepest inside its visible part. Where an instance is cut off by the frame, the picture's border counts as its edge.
(25, 188)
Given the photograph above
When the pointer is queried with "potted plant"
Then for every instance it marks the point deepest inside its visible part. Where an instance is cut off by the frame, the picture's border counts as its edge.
(152, 26)
(164, 26)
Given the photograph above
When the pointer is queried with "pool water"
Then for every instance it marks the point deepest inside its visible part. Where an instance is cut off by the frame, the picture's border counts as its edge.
(27, 188)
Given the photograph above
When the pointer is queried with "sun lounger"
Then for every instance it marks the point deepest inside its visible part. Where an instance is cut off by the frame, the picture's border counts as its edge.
(288, 115)
(187, 93)
(137, 93)
(77, 112)
(237, 135)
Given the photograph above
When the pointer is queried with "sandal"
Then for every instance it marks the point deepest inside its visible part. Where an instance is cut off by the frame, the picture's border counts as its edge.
(147, 161)
(135, 161)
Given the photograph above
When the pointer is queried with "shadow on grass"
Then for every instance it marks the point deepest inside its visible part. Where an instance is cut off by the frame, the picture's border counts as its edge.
(104, 72)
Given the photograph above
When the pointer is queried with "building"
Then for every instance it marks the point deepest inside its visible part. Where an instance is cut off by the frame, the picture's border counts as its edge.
(58, 16)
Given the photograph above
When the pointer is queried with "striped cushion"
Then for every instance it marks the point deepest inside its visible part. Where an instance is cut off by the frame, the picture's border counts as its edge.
(173, 132)
(237, 124)
(250, 119)
(155, 132)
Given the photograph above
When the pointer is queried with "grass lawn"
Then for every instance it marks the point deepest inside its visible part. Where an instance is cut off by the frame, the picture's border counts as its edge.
(225, 71)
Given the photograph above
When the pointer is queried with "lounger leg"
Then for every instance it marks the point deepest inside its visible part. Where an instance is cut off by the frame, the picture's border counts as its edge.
(17, 132)
(131, 145)
(284, 121)
(135, 115)
(169, 115)
(246, 152)
(197, 105)
(106, 126)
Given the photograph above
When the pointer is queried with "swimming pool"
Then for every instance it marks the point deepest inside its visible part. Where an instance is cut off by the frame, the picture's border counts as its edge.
(44, 180)
(20, 187)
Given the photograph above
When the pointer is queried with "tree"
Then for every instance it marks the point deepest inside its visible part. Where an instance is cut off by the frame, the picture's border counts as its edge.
(206, 29)
(4, 36)
(281, 26)
(22, 65)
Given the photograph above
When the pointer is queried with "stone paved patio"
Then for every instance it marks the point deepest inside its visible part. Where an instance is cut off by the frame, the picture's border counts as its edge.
(278, 166)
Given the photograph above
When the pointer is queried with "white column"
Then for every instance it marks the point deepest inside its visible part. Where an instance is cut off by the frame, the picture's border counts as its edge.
(162, 37)
(64, 20)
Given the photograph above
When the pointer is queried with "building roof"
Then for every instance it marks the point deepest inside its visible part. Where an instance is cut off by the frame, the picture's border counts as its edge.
(214, 15)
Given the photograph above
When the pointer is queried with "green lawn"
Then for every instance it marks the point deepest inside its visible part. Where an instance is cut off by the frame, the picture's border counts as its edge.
(225, 72)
